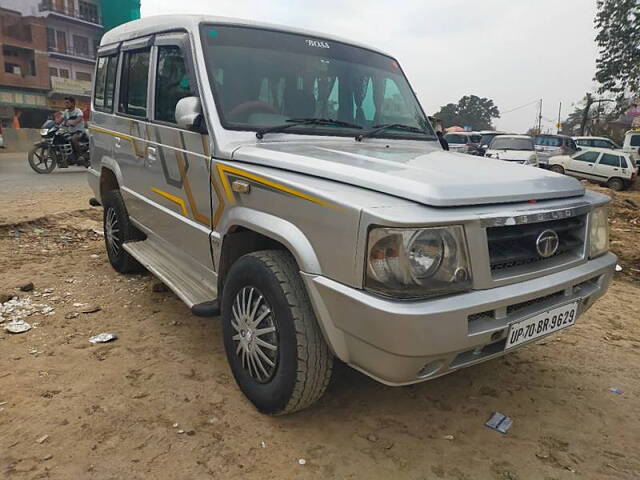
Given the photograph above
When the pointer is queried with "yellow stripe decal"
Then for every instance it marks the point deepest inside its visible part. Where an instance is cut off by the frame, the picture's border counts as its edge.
(222, 169)
(111, 132)
(177, 200)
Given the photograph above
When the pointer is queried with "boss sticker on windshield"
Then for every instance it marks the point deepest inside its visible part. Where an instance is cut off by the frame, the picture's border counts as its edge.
(317, 44)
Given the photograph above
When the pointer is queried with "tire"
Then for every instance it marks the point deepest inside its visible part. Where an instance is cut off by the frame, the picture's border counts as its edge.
(40, 161)
(117, 231)
(557, 169)
(269, 281)
(616, 184)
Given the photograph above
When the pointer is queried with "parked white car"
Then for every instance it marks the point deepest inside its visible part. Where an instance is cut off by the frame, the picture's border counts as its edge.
(597, 142)
(513, 148)
(616, 170)
(463, 142)
(631, 144)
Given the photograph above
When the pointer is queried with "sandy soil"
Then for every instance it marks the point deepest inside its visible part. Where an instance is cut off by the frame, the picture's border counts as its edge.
(73, 410)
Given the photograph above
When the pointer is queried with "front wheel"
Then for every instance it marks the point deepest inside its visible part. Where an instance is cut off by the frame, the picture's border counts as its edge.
(556, 168)
(42, 159)
(616, 184)
(273, 343)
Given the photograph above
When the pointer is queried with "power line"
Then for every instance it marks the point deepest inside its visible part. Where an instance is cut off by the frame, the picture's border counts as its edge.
(518, 108)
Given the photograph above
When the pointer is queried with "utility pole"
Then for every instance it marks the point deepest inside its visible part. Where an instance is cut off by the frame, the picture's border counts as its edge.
(540, 118)
(559, 113)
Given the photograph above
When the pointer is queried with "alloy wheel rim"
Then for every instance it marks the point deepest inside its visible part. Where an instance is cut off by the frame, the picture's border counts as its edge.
(256, 335)
(112, 233)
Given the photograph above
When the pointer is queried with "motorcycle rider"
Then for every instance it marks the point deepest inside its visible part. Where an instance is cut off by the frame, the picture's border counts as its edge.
(74, 120)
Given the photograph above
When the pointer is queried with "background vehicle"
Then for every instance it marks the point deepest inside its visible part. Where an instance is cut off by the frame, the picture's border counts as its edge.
(616, 170)
(1, 138)
(55, 149)
(631, 144)
(548, 145)
(485, 139)
(463, 142)
(597, 142)
(513, 148)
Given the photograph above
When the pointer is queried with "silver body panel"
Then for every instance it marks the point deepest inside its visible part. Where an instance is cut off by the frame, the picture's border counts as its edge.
(318, 196)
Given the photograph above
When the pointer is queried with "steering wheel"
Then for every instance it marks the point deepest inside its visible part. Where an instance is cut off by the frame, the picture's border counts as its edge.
(243, 110)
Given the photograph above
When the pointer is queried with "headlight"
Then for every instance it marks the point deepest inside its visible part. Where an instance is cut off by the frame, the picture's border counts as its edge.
(410, 263)
(44, 131)
(598, 232)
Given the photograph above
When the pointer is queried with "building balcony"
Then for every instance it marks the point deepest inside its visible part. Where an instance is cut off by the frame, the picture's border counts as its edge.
(49, 6)
(71, 53)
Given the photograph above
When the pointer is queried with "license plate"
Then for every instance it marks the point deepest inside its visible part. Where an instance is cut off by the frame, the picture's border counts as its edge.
(542, 324)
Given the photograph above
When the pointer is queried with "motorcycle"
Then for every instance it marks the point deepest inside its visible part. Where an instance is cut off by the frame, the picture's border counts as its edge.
(55, 149)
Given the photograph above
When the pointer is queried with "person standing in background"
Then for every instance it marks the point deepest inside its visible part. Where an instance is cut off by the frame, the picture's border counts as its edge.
(15, 123)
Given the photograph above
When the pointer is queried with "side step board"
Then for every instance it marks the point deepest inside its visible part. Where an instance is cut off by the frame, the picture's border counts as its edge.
(197, 291)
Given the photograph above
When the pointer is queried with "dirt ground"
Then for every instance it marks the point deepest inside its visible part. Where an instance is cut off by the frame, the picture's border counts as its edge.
(160, 401)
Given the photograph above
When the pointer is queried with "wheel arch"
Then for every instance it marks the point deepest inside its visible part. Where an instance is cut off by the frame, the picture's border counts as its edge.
(110, 175)
(246, 230)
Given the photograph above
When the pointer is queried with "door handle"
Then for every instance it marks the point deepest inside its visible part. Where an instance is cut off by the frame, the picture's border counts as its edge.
(117, 142)
(616, 169)
(151, 153)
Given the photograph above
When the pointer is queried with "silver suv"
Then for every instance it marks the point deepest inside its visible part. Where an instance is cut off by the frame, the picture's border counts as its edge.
(292, 182)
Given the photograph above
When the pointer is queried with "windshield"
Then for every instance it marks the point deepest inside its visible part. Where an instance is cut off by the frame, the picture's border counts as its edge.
(499, 143)
(487, 137)
(263, 78)
(549, 141)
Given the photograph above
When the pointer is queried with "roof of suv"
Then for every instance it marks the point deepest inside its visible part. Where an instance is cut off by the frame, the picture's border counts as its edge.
(605, 150)
(164, 23)
(587, 137)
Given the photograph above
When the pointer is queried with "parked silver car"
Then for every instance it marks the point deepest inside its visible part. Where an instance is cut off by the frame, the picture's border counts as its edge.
(291, 180)
(548, 145)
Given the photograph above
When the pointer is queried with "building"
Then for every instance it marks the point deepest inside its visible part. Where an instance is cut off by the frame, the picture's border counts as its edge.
(24, 74)
(117, 12)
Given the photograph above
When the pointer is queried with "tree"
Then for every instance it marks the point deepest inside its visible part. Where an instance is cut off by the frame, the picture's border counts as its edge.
(470, 110)
(618, 38)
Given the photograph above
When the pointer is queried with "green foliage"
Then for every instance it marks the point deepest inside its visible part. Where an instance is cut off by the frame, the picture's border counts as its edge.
(470, 110)
(618, 38)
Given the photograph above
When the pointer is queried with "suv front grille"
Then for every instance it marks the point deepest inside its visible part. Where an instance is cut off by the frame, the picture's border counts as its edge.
(512, 248)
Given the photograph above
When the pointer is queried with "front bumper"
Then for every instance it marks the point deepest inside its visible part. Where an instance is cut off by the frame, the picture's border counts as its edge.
(404, 342)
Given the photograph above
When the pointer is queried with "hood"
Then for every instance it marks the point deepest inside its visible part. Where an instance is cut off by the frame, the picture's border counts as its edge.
(424, 174)
(514, 155)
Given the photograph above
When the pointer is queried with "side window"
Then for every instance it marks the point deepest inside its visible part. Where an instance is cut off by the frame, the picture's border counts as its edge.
(635, 141)
(133, 84)
(105, 83)
(623, 162)
(602, 144)
(611, 160)
(172, 83)
(589, 157)
(101, 75)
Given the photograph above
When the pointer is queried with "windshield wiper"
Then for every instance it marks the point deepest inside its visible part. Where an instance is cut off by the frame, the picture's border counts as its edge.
(295, 122)
(380, 128)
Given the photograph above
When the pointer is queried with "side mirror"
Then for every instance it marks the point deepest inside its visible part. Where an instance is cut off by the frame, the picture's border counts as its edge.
(189, 114)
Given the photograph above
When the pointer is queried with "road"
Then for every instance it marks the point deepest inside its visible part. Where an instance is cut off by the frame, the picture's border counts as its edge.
(25, 194)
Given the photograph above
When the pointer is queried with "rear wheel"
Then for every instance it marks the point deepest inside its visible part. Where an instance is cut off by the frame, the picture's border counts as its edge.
(273, 343)
(117, 231)
(42, 160)
(616, 184)
(557, 169)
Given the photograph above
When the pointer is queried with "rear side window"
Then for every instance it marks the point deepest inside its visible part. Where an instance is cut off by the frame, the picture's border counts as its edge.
(476, 138)
(589, 157)
(611, 160)
(172, 83)
(105, 83)
(584, 142)
(602, 144)
(635, 140)
(549, 141)
(133, 84)
(453, 138)
(623, 162)
(571, 144)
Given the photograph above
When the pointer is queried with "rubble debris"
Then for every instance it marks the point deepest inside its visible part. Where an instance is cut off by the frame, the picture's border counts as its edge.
(499, 422)
(103, 338)
(19, 326)
(26, 287)
(90, 309)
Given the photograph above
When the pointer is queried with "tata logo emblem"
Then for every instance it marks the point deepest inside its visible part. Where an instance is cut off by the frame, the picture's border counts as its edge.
(317, 44)
(547, 243)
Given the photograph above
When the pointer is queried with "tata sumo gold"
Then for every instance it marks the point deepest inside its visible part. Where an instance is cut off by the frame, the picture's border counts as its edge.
(291, 183)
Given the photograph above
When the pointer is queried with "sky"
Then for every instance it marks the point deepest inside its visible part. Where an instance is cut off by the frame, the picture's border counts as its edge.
(512, 51)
